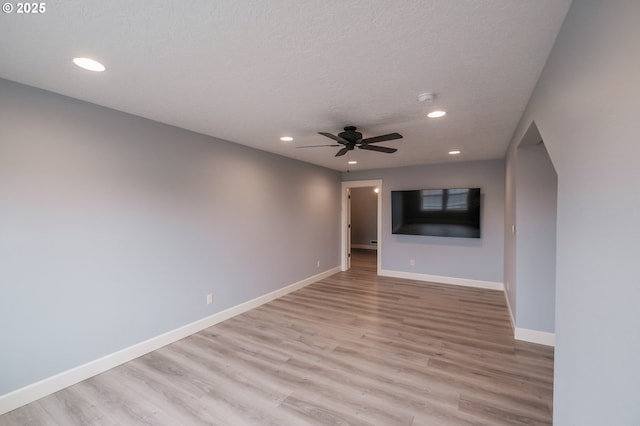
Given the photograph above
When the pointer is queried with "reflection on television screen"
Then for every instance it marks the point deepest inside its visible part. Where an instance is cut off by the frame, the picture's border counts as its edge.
(450, 212)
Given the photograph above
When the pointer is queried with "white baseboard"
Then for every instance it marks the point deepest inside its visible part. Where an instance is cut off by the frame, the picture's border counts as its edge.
(527, 335)
(34, 391)
(491, 285)
(535, 336)
(365, 246)
(524, 334)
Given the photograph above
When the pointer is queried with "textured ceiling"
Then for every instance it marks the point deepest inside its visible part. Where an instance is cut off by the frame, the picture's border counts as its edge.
(252, 71)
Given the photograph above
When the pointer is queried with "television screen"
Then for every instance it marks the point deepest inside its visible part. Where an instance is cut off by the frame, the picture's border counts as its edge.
(451, 212)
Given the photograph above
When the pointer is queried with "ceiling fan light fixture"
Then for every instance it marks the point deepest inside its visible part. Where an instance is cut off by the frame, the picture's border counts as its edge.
(352, 162)
(351, 139)
(437, 114)
(89, 64)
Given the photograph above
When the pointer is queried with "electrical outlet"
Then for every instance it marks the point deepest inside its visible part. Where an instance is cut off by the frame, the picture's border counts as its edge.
(412, 262)
(209, 299)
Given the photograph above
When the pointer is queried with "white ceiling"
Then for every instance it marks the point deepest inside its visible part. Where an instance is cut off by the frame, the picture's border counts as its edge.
(252, 71)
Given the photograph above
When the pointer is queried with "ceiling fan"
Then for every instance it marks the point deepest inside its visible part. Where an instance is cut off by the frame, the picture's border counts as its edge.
(351, 138)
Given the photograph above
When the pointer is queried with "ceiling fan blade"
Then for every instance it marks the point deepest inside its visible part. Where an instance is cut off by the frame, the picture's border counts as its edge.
(378, 149)
(334, 137)
(343, 151)
(382, 138)
(315, 146)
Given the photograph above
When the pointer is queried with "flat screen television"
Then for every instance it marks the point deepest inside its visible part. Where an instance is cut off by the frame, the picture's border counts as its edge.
(450, 212)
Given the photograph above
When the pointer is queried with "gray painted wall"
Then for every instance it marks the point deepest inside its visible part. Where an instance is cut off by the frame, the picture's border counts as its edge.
(536, 208)
(364, 216)
(114, 228)
(476, 259)
(586, 108)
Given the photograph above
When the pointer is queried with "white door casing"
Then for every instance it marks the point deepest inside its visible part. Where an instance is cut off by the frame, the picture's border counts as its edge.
(346, 219)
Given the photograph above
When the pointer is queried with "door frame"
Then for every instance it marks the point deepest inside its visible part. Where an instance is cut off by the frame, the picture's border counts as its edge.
(346, 219)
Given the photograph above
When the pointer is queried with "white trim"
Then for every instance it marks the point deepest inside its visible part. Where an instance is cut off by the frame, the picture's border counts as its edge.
(491, 285)
(511, 317)
(524, 334)
(535, 336)
(365, 246)
(35, 391)
(527, 335)
(361, 184)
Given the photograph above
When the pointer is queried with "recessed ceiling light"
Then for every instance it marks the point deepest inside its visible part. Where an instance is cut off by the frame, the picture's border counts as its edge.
(454, 152)
(89, 64)
(436, 114)
(353, 162)
(286, 139)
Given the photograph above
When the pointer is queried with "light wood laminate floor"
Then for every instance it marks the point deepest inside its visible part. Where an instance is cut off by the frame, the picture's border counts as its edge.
(352, 349)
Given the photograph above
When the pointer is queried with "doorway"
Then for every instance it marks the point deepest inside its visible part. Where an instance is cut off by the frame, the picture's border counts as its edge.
(533, 262)
(347, 222)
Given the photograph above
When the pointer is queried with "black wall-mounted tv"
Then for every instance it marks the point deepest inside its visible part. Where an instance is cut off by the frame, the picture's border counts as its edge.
(450, 212)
